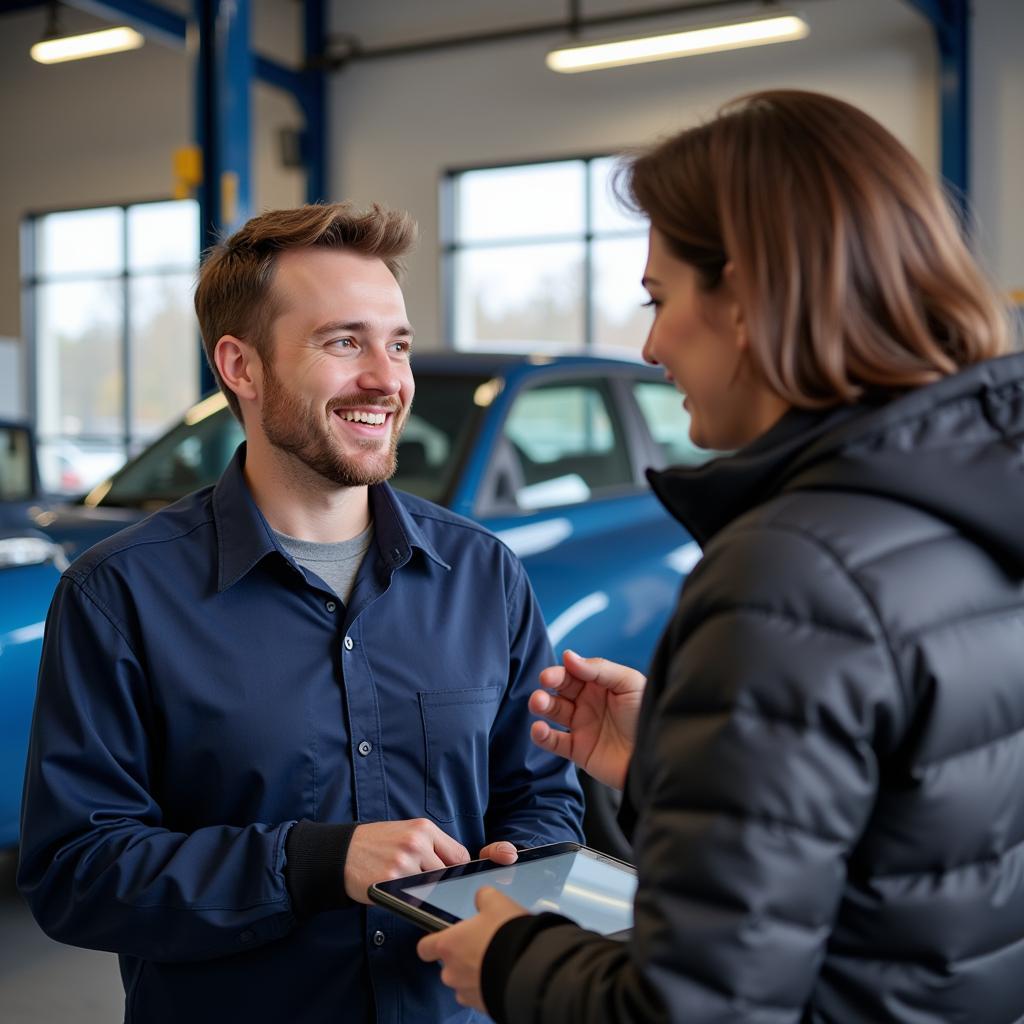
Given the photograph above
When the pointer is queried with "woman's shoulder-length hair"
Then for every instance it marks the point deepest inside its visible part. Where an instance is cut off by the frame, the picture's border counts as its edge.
(850, 266)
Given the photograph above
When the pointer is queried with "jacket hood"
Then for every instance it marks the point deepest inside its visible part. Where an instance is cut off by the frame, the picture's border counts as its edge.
(954, 449)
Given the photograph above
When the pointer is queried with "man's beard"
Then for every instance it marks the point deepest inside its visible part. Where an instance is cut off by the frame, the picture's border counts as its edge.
(298, 430)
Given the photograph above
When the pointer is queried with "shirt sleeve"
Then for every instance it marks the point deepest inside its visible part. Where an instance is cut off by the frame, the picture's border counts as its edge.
(97, 866)
(535, 797)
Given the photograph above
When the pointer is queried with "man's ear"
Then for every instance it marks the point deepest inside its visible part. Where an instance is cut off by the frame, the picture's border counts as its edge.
(239, 367)
(730, 295)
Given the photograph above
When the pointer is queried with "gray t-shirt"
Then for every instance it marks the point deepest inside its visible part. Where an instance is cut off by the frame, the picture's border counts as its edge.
(336, 564)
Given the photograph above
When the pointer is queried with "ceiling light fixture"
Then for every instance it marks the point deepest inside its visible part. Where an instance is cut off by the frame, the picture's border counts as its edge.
(774, 28)
(56, 47)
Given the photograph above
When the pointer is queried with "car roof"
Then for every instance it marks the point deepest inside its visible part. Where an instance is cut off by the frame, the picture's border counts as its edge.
(491, 363)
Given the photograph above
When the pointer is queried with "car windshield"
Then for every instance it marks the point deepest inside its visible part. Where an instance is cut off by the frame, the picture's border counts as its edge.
(194, 453)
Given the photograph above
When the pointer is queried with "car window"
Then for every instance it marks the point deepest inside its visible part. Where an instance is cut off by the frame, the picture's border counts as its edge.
(15, 464)
(194, 453)
(561, 444)
(442, 421)
(669, 423)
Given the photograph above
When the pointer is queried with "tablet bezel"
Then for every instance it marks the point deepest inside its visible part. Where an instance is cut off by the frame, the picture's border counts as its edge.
(390, 894)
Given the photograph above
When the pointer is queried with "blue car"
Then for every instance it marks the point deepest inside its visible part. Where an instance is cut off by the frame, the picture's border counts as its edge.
(30, 565)
(548, 452)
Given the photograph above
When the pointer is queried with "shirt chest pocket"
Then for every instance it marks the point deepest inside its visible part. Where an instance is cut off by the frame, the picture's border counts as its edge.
(456, 737)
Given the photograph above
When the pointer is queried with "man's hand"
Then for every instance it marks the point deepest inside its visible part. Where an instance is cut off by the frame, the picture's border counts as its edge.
(384, 850)
(461, 948)
(598, 702)
(500, 853)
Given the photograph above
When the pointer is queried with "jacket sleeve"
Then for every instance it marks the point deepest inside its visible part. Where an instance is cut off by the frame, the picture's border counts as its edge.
(97, 866)
(755, 774)
(535, 798)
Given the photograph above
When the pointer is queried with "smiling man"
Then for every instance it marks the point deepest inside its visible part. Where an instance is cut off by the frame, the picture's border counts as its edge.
(285, 687)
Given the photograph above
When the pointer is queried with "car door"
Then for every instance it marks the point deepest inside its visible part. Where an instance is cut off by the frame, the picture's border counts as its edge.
(565, 489)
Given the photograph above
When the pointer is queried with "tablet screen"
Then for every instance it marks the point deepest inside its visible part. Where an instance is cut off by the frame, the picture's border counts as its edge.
(594, 893)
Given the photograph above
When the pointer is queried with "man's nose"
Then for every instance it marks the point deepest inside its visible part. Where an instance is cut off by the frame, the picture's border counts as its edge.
(378, 373)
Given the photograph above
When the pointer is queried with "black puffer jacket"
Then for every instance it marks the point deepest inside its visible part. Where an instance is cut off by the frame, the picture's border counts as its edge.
(827, 792)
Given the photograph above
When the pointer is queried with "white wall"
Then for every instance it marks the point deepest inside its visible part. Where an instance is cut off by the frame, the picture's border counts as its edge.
(398, 124)
(997, 144)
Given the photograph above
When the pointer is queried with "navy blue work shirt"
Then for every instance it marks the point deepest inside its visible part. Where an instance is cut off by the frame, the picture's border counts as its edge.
(200, 693)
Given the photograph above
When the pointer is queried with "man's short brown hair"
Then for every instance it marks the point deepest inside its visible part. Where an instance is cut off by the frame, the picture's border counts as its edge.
(234, 294)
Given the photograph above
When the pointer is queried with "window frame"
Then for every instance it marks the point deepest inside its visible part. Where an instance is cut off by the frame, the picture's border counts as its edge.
(451, 246)
(31, 279)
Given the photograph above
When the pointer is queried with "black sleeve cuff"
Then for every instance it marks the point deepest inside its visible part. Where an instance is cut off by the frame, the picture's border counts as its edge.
(507, 946)
(314, 869)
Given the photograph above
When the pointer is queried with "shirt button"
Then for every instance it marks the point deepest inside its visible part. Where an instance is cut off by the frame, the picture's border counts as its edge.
(348, 643)
(330, 606)
(378, 938)
(365, 747)
(246, 936)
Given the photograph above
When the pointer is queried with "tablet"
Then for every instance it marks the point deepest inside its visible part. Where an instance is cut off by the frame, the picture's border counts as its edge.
(592, 889)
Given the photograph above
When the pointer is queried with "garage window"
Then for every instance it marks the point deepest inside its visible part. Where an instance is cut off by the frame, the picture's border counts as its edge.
(541, 256)
(113, 343)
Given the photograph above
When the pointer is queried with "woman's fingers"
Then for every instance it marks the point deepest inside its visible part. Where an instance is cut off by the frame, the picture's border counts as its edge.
(556, 708)
(557, 742)
(608, 674)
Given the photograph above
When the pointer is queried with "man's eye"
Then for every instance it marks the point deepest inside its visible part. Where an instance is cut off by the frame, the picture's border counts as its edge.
(342, 342)
(402, 346)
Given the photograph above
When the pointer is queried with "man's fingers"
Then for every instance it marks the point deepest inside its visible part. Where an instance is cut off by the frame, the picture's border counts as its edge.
(449, 850)
(551, 739)
(500, 853)
(427, 949)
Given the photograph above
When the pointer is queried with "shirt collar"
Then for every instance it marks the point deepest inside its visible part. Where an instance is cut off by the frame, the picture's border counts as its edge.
(244, 536)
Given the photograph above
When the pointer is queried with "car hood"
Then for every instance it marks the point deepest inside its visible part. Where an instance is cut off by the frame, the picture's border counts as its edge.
(77, 527)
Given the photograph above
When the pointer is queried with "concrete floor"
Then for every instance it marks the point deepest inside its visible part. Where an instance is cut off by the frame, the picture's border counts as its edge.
(43, 982)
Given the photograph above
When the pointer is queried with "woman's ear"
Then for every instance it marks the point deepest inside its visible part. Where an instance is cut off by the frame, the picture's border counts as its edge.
(734, 310)
(239, 367)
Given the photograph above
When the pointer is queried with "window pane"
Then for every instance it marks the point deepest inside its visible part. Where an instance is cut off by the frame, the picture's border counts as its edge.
(620, 319)
(531, 293)
(669, 423)
(15, 464)
(163, 235)
(89, 241)
(79, 371)
(605, 212)
(565, 445)
(164, 351)
(520, 202)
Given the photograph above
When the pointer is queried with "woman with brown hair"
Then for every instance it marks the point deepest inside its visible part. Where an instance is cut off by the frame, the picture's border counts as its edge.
(823, 783)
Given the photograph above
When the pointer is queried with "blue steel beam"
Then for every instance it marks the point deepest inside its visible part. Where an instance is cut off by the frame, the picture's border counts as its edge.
(159, 23)
(951, 22)
(224, 69)
(223, 76)
(314, 105)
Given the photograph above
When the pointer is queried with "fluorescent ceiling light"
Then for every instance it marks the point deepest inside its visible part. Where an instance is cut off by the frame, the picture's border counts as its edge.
(89, 44)
(732, 36)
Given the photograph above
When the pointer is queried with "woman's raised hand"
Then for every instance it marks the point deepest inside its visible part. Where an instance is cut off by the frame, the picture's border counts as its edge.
(598, 703)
